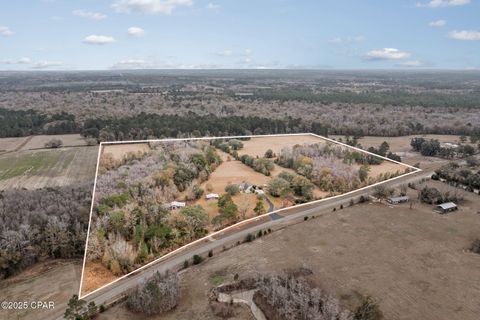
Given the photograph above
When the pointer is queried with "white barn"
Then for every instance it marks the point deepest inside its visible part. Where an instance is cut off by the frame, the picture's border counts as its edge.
(212, 196)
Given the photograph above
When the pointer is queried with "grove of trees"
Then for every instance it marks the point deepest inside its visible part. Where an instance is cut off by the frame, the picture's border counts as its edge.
(157, 295)
(43, 223)
(133, 221)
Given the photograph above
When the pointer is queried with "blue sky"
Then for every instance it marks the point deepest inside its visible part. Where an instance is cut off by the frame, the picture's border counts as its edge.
(314, 34)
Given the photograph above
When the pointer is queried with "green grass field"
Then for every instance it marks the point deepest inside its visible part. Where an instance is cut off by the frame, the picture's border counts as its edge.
(33, 169)
(49, 162)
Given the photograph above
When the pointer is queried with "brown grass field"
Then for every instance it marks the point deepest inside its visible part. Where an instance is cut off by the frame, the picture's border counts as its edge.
(97, 274)
(414, 262)
(11, 144)
(258, 146)
(55, 281)
(400, 144)
(69, 140)
(119, 151)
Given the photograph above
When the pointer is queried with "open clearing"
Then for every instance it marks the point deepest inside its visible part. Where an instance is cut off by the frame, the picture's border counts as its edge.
(69, 140)
(53, 281)
(400, 144)
(47, 168)
(11, 144)
(258, 146)
(119, 151)
(38, 142)
(414, 261)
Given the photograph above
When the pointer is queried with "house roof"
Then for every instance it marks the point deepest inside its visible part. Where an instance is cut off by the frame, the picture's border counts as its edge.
(212, 195)
(447, 205)
(398, 198)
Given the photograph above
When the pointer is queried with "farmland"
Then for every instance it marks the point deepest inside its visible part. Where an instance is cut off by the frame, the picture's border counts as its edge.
(35, 169)
(154, 198)
(38, 142)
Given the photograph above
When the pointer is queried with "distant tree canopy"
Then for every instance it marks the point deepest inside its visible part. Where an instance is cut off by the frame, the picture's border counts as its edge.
(23, 123)
(393, 97)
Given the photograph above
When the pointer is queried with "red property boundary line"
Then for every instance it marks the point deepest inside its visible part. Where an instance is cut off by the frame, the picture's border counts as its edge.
(415, 170)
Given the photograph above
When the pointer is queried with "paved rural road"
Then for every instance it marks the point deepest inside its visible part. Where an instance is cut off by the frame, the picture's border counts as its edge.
(117, 289)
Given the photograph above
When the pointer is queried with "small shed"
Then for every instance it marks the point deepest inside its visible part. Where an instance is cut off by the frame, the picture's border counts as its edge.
(212, 196)
(397, 200)
(447, 207)
(177, 204)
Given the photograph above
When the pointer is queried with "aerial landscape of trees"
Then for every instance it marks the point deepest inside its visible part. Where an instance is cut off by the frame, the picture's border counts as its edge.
(280, 102)
(43, 223)
(133, 220)
(331, 168)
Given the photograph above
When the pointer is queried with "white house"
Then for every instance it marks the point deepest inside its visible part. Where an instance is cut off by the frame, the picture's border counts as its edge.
(397, 200)
(177, 204)
(212, 196)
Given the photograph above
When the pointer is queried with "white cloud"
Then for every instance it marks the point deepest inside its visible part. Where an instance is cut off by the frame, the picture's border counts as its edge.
(89, 14)
(225, 53)
(136, 32)
(98, 39)
(24, 60)
(464, 35)
(443, 3)
(46, 64)
(347, 39)
(438, 23)
(248, 52)
(149, 6)
(213, 6)
(5, 31)
(387, 54)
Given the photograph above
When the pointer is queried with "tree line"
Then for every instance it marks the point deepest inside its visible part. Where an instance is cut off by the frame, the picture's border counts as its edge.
(30, 122)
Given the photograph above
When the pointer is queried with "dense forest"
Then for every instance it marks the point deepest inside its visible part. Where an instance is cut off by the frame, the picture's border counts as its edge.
(48, 223)
(29, 122)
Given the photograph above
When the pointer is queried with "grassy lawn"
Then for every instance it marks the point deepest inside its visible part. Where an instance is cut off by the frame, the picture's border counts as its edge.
(216, 280)
(34, 163)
